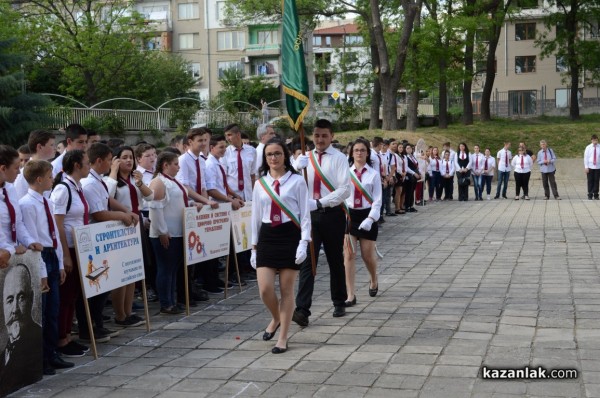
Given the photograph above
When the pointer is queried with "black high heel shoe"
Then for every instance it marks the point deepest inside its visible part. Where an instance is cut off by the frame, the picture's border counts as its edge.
(269, 335)
(279, 350)
(373, 292)
(349, 303)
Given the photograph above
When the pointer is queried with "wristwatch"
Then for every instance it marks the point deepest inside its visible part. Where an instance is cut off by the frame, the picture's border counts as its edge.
(139, 184)
(319, 205)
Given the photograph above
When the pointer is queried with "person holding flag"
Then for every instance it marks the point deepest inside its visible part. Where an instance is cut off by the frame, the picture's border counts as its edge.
(364, 203)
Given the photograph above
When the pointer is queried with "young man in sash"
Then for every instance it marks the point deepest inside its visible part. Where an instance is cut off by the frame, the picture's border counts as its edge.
(328, 188)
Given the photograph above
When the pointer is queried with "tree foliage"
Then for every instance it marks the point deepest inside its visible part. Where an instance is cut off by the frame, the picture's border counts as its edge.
(244, 94)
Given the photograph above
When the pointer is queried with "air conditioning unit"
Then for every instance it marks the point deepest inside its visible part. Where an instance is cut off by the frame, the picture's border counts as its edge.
(245, 60)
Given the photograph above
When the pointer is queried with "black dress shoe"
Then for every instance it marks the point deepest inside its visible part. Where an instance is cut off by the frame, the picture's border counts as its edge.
(49, 370)
(278, 350)
(339, 311)
(391, 215)
(350, 303)
(373, 292)
(300, 318)
(269, 335)
(59, 363)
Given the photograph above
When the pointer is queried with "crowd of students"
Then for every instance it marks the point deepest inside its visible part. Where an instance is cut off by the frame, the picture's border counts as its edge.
(341, 205)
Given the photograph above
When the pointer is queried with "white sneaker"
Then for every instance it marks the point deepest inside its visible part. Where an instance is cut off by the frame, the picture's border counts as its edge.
(489, 198)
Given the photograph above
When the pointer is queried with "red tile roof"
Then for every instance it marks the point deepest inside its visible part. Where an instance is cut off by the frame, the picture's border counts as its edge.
(351, 28)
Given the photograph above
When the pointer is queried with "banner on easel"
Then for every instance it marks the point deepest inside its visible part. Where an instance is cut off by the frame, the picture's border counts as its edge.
(240, 223)
(206, 233)
(109, 256)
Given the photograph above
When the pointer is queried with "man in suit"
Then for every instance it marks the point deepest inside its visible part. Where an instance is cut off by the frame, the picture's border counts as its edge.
(21, 359)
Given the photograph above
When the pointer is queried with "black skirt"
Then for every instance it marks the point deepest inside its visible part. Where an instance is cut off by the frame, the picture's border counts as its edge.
(357, 217)
(276, 247)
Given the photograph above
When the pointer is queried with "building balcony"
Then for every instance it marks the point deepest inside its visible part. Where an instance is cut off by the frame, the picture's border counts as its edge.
(263, 49)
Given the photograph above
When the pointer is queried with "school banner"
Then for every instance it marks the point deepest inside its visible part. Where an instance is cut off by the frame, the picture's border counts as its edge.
(110, 256)
(206, 233)
(20, 325)
(240, 223)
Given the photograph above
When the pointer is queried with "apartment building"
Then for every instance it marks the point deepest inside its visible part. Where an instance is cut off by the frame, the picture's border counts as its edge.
(526, 84)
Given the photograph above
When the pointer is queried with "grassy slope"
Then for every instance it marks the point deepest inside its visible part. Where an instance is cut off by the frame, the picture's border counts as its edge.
(567, 138)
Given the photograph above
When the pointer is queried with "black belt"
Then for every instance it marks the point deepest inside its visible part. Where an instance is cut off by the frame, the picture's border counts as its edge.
(328, 209)
(48, 250)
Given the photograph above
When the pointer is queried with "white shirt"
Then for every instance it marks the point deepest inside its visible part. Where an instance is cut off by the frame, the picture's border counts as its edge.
(147, 175)
(462, 156)
(21, 185)
(527, 163)
(334, 165)
(376, 160)
(57, 164)
(477, 161)
(122, 194)
(230, 161)
(59, 198)
(294, 194)
(95, 193)
(166, 215)
(23, 236)
(491, 165)
(452, 154)
(371, 182)
(36, 222)
(501, 156)
(588, 157)
(447, 168)
(187, 171)
(435, 164)
(259, 156)
(214, 176)
(551, 157)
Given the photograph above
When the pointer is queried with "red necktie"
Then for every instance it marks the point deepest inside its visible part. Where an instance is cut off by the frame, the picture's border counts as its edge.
(545, 156)
(133, 196)
(12, 215)
(50, 223)
(485, 164)
(227, 191)
(381, 170)
(522, 161)
(506, 157)
(317, 181)
(198, 177)
(462, 156)
(240, 170)
(476, 161)
(594, 155)
(437, 164)
(86, 215)
(403, 165)
(185, 196)
(447, 168)
(357, 193)
(275, 210)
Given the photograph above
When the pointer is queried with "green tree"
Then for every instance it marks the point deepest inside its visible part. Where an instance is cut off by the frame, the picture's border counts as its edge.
(237, 92)
(20, 112)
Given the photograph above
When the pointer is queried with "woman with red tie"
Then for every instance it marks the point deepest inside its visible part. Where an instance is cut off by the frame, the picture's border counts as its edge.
(128, 188)
(435, 176)
(364, 203)
(522, 164)
(463, 171)
(70, 210)
(489, 167)
(410, 183)
(280, 234)
(447, 172)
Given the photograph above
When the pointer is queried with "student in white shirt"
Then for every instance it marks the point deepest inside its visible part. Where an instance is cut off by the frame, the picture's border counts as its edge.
(435, 176)
(400, 177)
(591, 163)
(489, 166)
(76, 137)
(364, 203)
(70, 210)
(447, 171)
(503, 160)
(41, 146)
(280, 234)
(477, 165)
(264, 133)
(522, 164)
(462, 165)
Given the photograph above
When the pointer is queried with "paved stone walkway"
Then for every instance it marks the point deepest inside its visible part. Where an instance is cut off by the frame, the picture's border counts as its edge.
(498, 283)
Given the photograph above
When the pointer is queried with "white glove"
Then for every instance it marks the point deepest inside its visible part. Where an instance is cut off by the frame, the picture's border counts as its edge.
(301, 252)
(312, 205)
(301, 162)
(253, 259)
(366, 224)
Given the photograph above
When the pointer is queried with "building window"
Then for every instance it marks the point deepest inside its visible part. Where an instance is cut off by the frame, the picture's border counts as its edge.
(263, 67)
(189, 11)
(317, 41)
(226, 65)
(188, 40)
(195, 70)
(525, 31)
(323, 59)
(323, 81)
(353, 39)
(593, 30)
(328, 41)
(350, 57)
(561, 65)
(232, 40)
(562, 97)
(527, 3)
(154, 43)
(522, 102)
(525, 64)
(268, 37)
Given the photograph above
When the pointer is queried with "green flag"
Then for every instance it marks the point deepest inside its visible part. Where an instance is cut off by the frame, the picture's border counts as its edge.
(295, 83)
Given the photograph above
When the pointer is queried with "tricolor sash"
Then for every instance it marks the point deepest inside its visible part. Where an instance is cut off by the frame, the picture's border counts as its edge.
(358, 185)
(325, 180)
(278, 201)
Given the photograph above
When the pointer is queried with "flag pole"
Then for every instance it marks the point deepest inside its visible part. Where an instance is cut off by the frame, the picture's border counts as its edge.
(313, 257)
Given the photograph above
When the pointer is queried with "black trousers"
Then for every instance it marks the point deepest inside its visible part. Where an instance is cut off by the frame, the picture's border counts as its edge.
(549, 181)
(592, 182)
(328, 228)
(447, 186)
(522, 181)
(409, 189)
(96, 305)
(463, 190)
